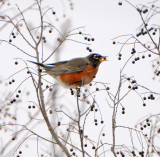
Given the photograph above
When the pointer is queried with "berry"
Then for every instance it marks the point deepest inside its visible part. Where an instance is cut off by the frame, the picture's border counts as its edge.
(14, 100)
(103, 134)
(71, 150)
(92, 39)
(93, 147)
(120, 3)
(139, 10)
(72, 92)
(90, 50)
(144, 98)
(50, 89)
(133, 49)
(144, 104)
(97, 89)
(53, 12)
(133, 81)
(40, 70)
(129, 86)
(50, 111)
(59, 123)
(73, 153)
(47, 86)
(138, 34)
(20, 152)
(16, 62)
(145, 11)
(114, 42)
(87, 48)
(143, 56)
(102, 121)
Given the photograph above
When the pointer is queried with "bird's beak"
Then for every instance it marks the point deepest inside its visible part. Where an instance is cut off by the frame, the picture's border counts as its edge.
(104, 58)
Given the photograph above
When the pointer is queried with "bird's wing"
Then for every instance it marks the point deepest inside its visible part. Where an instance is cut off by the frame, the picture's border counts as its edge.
(68, 67)
(57, 63)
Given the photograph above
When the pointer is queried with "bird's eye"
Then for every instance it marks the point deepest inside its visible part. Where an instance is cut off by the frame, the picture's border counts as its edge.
(95, 56)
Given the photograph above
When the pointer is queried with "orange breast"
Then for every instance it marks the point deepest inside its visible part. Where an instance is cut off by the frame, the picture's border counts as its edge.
(79, 79)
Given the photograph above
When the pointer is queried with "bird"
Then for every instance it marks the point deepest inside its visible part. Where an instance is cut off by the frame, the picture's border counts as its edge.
(76, 72)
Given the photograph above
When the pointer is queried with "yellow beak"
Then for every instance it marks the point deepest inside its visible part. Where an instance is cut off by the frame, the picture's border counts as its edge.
(104, 58)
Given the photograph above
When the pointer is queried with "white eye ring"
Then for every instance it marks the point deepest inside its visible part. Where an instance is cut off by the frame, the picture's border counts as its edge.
(95, 56)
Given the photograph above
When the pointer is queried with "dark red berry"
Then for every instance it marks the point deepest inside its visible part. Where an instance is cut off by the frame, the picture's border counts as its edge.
(120, 3)
(102, 121)
(16, 62)
(97, 89)
(107, 88)
(59, 123)
(92, 39)
(93, 147)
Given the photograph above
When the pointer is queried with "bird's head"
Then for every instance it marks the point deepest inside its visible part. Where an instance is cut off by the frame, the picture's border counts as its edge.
(96, 59)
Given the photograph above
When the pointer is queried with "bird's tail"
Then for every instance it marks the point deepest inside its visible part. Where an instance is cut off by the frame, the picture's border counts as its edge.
(40, 64)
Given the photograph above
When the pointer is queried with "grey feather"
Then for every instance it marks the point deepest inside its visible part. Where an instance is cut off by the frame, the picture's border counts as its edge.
(76, 65)
(72, 66)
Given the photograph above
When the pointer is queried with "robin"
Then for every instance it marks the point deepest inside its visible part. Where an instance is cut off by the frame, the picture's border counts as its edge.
(76, 72)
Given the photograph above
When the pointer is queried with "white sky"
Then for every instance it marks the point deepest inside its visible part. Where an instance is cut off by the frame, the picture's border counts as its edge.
(103, 20)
